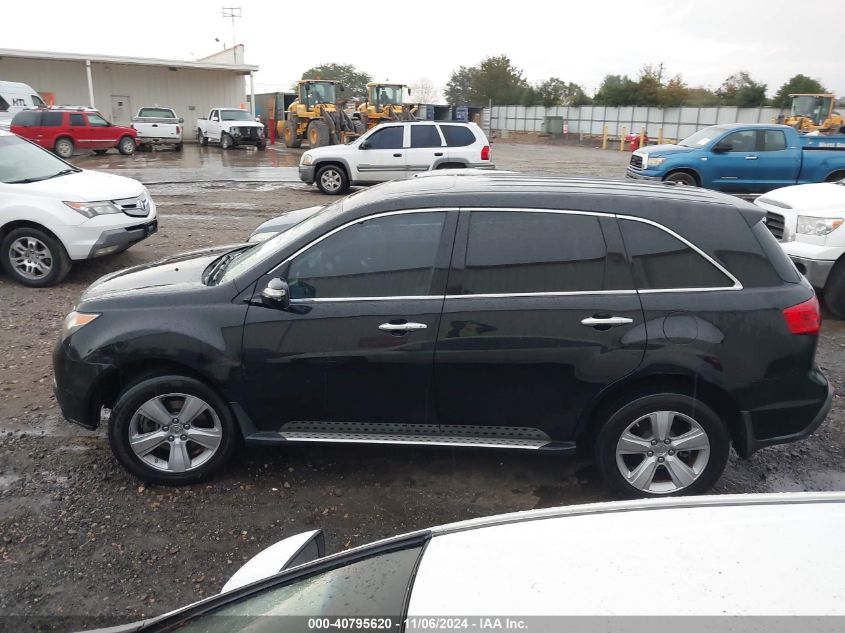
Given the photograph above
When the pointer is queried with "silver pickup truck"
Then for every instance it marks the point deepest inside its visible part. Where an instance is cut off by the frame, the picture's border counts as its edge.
(158, 126)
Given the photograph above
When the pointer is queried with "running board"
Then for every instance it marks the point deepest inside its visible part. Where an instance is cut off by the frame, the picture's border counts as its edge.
(412, 434)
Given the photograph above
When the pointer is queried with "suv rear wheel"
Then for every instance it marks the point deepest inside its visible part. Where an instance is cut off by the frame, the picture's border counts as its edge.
(172, 430)
(660, 445)
(126, 146)
(34, 258)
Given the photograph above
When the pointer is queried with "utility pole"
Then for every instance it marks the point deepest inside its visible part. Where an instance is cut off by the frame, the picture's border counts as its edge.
(232, 12)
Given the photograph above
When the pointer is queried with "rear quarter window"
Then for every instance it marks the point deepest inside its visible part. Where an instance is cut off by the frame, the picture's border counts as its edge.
(457, 135)
(774, 253)
(52, 119)
(27, 118)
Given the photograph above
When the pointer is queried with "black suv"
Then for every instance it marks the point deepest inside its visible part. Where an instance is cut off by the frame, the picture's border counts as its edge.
(655, 325)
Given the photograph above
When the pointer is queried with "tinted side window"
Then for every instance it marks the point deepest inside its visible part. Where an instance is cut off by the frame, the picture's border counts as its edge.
(742, 141)
(425, 136)
(27, 118)
(4, 105)
(52, 119)
(774, 140)
(457, 135)
(523, 252)
(384, 257)
(76, 120)
(663, 262)
(388, 138)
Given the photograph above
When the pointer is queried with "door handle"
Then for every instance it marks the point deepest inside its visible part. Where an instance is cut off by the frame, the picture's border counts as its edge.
(401, 327)
(397, 156)
(750, 158)
(438, 153)
(606, 321)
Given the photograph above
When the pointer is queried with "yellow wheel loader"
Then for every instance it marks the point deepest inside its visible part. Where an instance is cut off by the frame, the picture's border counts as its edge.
(317, 116)
(385, 102)
(814, 113)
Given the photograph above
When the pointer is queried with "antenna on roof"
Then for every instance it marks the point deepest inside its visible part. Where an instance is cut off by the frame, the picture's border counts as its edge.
(232, 12)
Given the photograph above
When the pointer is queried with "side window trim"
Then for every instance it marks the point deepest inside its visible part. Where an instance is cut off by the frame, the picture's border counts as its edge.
(736, 284)
(448, 234)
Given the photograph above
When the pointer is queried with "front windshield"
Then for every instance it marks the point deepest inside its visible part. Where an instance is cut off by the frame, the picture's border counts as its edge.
(235, 115)
(22, 161)
(257, 254)
(702, 137)
(388, 95)
(815, 108)
(319, 93)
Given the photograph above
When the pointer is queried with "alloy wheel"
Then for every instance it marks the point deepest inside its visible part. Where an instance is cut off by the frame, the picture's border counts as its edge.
(31, 258)
(331, 180)
(175, 432)
(662, 452)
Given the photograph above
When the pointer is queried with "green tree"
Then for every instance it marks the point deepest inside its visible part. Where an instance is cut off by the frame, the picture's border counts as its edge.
(617, 90)
(497, 79)
(675, 93)
(459, 87)
(701, 97)
(574, 95)
(650, 85)
(549, 93)
(796, 85)
(355, 81)
(742, 91)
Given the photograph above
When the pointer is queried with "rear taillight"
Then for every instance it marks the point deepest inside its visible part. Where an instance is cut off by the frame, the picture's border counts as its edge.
(485, 152)
(178, 130)
(804, 318)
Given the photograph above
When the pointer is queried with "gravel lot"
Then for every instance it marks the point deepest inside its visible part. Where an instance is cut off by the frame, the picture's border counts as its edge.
(82, 542)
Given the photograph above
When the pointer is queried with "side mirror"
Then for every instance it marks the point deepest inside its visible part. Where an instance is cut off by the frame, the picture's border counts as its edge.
(364, 145)
(181, 120)
(722, 147)
(276, 294)
(214, 118)
(290, 552)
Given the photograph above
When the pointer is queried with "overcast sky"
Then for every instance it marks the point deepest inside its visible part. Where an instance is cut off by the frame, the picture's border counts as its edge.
(581, 41)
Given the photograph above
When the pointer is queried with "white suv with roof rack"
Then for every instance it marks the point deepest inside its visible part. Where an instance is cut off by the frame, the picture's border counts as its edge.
(393, 151)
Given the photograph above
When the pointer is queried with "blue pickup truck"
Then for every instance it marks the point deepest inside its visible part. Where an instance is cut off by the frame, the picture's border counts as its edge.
(743, 158)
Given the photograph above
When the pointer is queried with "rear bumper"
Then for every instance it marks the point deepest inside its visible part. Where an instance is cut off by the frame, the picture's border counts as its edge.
(158, 140)
(787, 422)
(815, 270)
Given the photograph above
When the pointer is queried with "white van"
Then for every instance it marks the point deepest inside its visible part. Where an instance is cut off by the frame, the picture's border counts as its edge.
(15, 97)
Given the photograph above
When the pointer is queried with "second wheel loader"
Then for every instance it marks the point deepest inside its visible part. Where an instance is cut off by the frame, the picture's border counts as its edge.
(385, 102)
(317, 116)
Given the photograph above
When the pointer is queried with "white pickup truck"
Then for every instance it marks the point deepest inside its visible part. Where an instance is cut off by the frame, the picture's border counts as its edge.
(158, 126)
(231, 127)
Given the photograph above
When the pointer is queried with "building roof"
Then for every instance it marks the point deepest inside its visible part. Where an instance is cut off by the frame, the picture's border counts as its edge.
(243, 69)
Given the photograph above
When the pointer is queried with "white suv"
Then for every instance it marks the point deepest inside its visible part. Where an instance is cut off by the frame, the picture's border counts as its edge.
(52, 213)
(392, 151)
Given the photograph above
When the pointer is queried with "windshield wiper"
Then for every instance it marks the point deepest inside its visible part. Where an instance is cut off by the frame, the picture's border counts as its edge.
(218, 268)
(63, 172)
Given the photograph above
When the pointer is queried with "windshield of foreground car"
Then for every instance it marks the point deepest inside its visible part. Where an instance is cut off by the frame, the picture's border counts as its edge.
(23, 162)
(702, 137)
(246, 259)
(235, 115)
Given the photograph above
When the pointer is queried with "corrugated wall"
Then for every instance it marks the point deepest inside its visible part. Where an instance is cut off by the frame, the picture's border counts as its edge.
(190, 92)
(676, 123)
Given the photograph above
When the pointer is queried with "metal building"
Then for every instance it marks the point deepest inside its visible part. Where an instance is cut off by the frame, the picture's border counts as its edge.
(118, 86)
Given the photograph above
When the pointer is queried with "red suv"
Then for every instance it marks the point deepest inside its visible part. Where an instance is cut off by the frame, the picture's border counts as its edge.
(64, 131)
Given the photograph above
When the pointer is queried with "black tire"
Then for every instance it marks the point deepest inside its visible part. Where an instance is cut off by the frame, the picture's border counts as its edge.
(682, 178)
(332, 180)
(177, 147)
(261, 146)
(64, 147)
(45, 245)
(149, 389)
(834, 290)
(126, 146)
(711, 466)
(226, 141)
(203, 140)
(289, 135)
(318, 134)
(100, 152)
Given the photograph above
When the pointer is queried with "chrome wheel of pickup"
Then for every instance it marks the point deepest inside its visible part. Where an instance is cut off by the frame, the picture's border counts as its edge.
(662, 452)
(175, 432)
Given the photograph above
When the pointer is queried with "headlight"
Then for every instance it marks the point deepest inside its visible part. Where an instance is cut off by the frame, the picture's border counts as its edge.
(90, 209)
(812, 225)
(76, 320)
(262, 237)
(654, 161)
(307, 159)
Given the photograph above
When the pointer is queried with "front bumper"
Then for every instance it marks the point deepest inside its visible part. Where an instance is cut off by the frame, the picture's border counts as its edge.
(791, 422)
(118, 239)
(816, 271)
(639, 175)
(306, 174)
(74, 385)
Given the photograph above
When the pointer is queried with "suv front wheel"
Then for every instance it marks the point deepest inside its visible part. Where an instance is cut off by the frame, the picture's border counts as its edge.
(34, 258)
(660, 445)
(172, 430)
(332, 180)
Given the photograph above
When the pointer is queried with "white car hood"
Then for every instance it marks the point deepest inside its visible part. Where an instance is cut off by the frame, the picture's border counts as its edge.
(242, 124)
(86, 186)
(817, 197)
